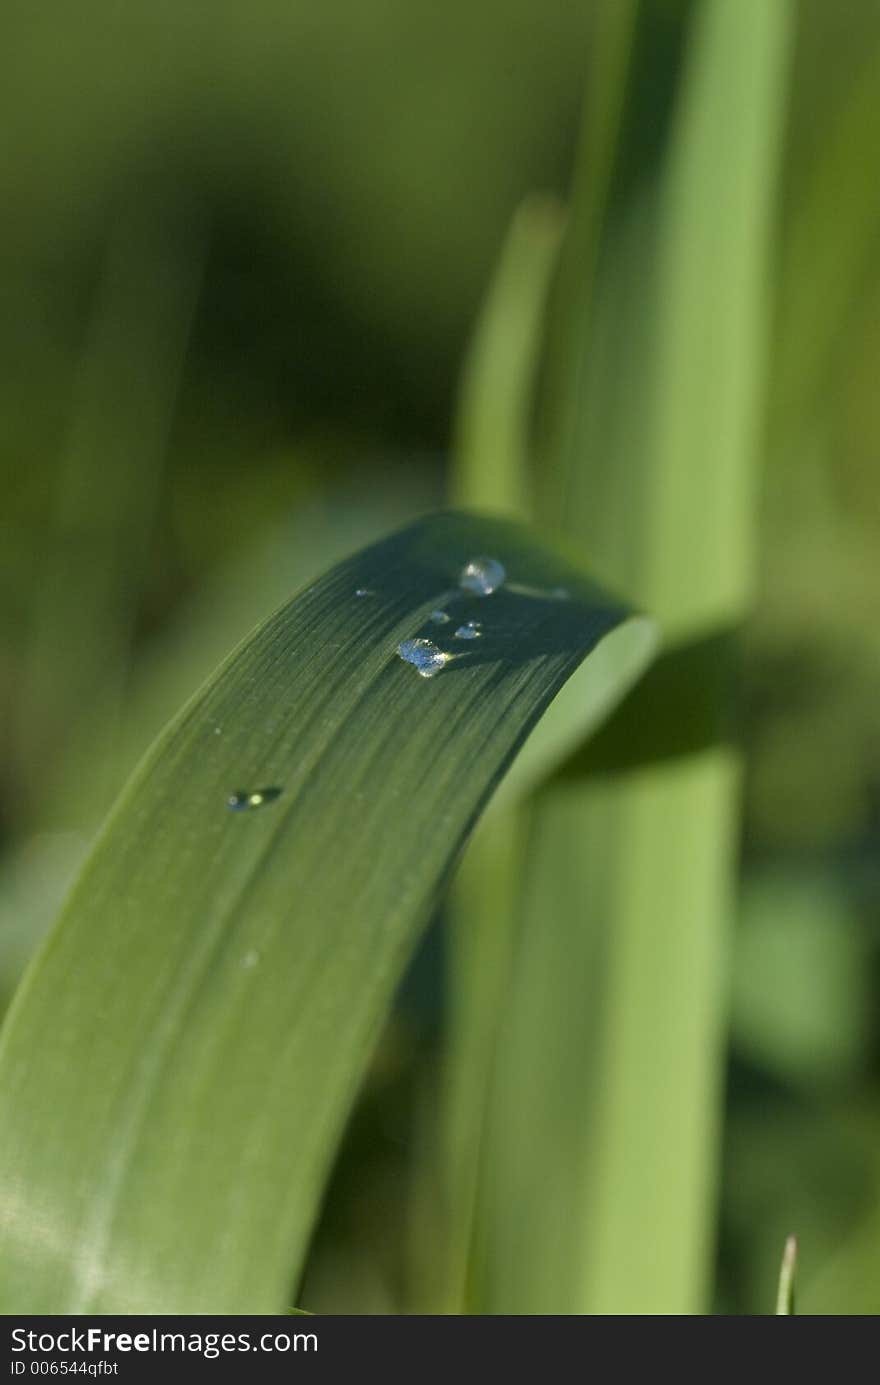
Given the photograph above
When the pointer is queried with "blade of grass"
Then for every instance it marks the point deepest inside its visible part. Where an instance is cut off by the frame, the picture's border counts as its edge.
(606, 1093)
(652, 1216)
(491, 468)
(566, 349)
(788, 1269)
(652, 1211)
(178, 1062)
(498, 391)
(484, 902)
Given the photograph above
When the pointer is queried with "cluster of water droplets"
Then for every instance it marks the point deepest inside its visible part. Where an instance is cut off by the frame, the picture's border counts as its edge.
(479, 577)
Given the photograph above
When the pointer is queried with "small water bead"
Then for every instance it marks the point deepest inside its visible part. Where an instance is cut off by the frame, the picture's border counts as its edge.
(243, 800)
(439, 618)
(250, 960)
(424, 656)
(470, 631)
(482, 576)
(364, 591)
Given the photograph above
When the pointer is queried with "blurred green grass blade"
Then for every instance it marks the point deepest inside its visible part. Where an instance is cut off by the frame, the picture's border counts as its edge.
(490, 461)
(650, 1217)
(656, 1121)
(491, 453)
(788, 1269)
(485, 988)
(107, 491)
(624, 1068)
(668, 422)
(533, 1159)
(567, 347)
(495, 424)
(713, 316)
(179, 1059)
(483, 907)
(491, 467)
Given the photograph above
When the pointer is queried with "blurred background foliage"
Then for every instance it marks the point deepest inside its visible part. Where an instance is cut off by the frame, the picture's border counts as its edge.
(242, 255)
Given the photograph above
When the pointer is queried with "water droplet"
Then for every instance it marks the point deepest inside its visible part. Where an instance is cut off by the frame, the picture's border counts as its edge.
(250, 959)
(439, 617)
(364, 591)
(218, 730)
(244, 799)
(482, 576)
(424, 656)
(470, 631)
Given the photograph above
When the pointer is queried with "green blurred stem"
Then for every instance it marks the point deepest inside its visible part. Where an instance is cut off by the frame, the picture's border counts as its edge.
(787, 1272)
(106, 493)
(490, 456)
(601, 1152)
(490, 471)
(492, 451)
(482, 912)
(566, 348)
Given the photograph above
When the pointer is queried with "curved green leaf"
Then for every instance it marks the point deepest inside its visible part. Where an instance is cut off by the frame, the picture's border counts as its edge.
(180, 1058)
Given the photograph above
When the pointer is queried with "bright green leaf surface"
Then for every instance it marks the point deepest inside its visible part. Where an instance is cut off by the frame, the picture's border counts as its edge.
(179, 1060)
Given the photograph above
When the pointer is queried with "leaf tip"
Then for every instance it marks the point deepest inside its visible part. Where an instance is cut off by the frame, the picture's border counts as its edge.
(785, 1293)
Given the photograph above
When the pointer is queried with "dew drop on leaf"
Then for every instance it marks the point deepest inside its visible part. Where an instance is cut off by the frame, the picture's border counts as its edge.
(244, 800)
(482, 576)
